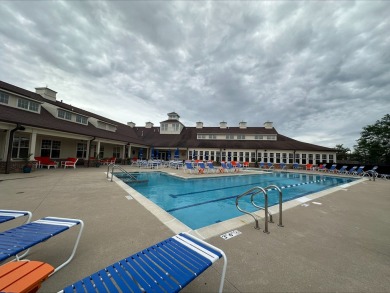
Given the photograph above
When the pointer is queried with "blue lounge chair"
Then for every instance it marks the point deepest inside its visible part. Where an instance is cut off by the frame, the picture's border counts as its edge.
(331, 169)
(201, 168)
(283, 166)
(261, 165)
(341, 171)
(230, 167)
(211, 168)
(350, 171)
(20, 239)
(296, 166)
(189, 167)
(8, 215)
(359, 171)
(371, 173)
(167, 266)
(270, 165)
(224, 168)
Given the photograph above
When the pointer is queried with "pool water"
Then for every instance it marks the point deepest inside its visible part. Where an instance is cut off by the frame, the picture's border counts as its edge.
(200, 202)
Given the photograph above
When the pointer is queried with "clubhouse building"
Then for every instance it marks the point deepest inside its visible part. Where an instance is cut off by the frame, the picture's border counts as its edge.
(36, 124)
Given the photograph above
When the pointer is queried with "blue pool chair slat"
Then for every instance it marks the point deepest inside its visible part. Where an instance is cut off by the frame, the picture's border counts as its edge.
(129, 268)
(117, 279)
(154, 279)
(157, 274)
(122, 273)
(176, 273)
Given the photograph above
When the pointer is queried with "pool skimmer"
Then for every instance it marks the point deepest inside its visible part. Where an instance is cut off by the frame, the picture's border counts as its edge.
(230, 234)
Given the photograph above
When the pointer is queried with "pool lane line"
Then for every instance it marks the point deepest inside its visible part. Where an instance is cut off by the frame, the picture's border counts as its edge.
(234, 186)
(233, 196)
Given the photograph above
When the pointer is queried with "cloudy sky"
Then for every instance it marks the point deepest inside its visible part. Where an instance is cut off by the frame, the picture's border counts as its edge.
(319, 70)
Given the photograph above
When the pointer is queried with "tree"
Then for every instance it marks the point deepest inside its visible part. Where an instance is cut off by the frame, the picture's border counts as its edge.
(342, 152)
(374, 144)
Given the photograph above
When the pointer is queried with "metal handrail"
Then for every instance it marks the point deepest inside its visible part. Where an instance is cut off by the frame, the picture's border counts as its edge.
(256, 190)
(120, 168)
(270, 187)
(253, 191)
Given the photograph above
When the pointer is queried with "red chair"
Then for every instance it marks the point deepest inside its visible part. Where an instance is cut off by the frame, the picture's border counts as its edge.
(46, 162)
(70, 162)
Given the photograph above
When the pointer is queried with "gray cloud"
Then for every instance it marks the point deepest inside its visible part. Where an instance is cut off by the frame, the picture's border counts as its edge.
(318, 70)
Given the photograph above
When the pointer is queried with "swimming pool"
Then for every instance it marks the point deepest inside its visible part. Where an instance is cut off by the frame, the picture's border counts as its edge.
(200, 202)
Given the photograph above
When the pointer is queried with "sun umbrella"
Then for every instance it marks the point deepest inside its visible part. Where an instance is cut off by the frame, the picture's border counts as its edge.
(152, 153)
(176, 153)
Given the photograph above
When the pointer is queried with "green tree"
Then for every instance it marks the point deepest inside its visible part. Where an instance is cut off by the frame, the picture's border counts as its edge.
(342, 152)
(374, 144)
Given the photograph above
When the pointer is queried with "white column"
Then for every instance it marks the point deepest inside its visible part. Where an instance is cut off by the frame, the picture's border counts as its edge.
(33, 144)
(87, 151)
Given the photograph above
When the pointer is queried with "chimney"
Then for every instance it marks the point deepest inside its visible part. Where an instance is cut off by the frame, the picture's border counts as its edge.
(242, 125)
(223, 125)
(148, 125)
(131, 124)
(268, 125)
(46, 93)
(199, 124)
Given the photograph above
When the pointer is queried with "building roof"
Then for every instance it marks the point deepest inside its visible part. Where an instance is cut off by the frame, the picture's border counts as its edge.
(146, 136)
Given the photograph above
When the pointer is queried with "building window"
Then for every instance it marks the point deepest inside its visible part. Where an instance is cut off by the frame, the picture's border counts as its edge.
(20, 147)
(331, 159)
(101, 152)
(28, 105)
(4, 98)
(229, 136)
(64, 114)
(164, 127)
(324, 158)
(304, 159)
(116, 152)
(258, 137)
(81, 150)
(253, 157)
(284, 157)
(240, 136)
(318, 159)
(81, 119)
(50, 148)
(201, 136)
(212, 136)
(290, 158)
(176, 126)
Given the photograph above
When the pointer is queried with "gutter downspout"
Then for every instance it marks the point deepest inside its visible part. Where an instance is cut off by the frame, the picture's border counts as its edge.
(9, 152)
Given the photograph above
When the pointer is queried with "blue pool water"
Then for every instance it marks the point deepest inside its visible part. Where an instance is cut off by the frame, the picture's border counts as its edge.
(200, 202)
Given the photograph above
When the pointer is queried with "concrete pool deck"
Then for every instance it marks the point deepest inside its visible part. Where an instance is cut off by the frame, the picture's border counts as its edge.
(339, 243)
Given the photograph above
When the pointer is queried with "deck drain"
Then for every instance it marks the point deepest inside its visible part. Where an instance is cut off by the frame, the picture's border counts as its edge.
(129, 197)
(230, 234)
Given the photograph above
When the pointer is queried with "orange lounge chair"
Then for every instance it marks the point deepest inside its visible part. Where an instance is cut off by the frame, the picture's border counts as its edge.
(24, 276)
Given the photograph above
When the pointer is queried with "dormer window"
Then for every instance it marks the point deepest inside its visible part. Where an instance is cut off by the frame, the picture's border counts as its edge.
(164, 127)
(28, 105)
(64, 114)
(240, 136)
(176, 126)
(81, 119)
(229, 136)
(4, 98)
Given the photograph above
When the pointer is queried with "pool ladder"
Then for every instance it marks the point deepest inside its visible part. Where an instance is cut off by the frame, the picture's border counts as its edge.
(131, 176)
(257, 190)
